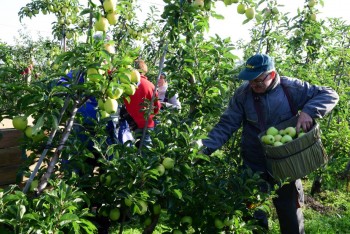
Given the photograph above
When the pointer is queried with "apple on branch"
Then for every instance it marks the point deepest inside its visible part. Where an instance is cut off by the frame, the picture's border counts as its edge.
(250, 13)
(109, 48)
(135, 76)
(101, 24)
(20, 122)
(241, 8)
(168, 163)
(109, 5)
(114, 214)
(111, 105)
(112, 18)
(198, 3)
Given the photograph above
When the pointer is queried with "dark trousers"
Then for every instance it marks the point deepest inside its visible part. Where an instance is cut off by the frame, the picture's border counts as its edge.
(288, 207)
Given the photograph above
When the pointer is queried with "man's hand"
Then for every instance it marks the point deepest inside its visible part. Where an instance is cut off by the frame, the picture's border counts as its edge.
(305, 122)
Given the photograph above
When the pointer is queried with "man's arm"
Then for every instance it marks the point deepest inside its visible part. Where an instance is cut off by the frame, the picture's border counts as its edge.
(314, 102)
(230, 121)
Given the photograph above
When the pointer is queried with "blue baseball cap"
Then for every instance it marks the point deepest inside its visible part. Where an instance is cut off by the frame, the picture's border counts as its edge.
(255, 66)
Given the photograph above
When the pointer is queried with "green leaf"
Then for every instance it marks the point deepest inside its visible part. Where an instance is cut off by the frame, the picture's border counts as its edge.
(22, 211)
(177, 193)
(67, 218)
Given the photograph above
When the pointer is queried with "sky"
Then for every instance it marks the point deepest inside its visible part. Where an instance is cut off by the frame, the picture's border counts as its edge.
(41, 24)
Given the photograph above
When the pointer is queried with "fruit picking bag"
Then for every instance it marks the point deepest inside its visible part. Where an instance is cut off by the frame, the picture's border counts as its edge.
(297, 158)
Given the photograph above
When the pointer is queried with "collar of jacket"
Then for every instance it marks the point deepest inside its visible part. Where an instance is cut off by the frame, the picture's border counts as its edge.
(274, 83)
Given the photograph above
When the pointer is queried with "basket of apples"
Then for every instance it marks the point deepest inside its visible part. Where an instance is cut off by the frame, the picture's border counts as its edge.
(291, 155)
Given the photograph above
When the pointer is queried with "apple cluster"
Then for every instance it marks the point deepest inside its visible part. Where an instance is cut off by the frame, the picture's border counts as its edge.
(122, 83)
(102, 23)
(275, 137)
(21, 123)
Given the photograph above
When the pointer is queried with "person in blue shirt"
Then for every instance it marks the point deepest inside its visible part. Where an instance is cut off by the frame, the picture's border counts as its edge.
(89, 112)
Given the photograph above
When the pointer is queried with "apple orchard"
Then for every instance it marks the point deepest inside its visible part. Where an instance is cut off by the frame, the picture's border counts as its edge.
(156, 189)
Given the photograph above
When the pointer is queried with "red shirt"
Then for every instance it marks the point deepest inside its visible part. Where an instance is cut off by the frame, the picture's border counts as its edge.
(137, 109)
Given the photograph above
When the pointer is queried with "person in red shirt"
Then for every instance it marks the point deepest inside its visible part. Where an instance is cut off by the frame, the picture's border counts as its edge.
(138, 107)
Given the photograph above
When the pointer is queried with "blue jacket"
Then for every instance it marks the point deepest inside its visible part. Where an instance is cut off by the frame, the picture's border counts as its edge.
(314, 100)
(89, 112)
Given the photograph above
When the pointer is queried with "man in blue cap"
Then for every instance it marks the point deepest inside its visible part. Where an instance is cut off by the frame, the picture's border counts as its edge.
(265, 100)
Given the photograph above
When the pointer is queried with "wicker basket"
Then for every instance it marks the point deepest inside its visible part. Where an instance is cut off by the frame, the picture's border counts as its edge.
(297, 158)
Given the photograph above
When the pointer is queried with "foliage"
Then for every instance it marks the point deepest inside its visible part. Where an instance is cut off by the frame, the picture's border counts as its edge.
(202, 71)
(62, 209)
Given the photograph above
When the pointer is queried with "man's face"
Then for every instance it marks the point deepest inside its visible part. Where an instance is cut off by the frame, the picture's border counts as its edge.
(261, 83)
(161, 81)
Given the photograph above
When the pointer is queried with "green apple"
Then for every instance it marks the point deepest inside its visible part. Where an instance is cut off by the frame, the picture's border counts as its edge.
(109, 5)
(311, 3)
(110, 105)
(100, 104)
(277, 143)
(313, 17)
(147, 221)
(157, 209)
(228, 2)
(218, 223)
(93, 74)
(104, 114)
(290, 131)
(228, 222)
(281, 132)
(277, 137)
(29, 131)
(241, 8)
(267, 12)
(61, 21)
(125, 78)
(64, 10)
(250, 13)
(103, 211)
(69, 35)
(272, 131)
(269, 139)
(112, 18)
(114, 214)
(129, 89)
(20, 122)
(101, 24)
(135, 76)
(161, 169)
(198, 3)
(275, 10)
(186, 219)
(108, 180)
(34, 185)
(301, 134)
(115, 92)
(127, 201)
(168, 163)
(286, 139)
(109, 48)
(39, 136)
(141, 207)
